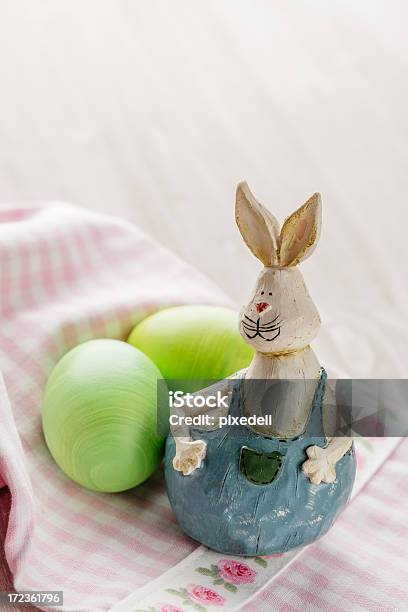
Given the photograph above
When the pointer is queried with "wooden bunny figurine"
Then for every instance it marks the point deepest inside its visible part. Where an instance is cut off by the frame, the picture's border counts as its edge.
(263, 490)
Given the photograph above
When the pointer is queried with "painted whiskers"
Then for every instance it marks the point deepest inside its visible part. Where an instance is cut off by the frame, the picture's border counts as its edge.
(256, 328)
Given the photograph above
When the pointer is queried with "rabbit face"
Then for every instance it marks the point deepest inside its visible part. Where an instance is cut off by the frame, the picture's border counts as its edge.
(280, 316)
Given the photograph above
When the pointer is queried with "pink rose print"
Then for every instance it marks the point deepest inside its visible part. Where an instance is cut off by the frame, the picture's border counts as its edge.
(235, 572)
(230, 573)
(204, 595)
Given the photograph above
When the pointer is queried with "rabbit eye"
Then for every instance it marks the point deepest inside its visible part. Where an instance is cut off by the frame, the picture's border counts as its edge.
(262, 292)
(270, 293)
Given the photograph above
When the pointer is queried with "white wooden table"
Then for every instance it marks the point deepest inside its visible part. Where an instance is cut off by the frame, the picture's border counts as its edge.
(154, 110)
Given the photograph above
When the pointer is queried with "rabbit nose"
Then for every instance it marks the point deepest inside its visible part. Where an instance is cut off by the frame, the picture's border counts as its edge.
(261, 306)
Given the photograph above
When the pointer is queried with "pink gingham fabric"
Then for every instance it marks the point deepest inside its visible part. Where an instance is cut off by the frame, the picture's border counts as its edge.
(66, 276)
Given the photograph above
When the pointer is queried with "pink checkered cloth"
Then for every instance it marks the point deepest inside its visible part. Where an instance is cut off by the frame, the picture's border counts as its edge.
(68, 275)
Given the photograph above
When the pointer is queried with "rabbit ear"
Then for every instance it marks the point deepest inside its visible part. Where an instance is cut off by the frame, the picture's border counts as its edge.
(258, 227)
(300, 232)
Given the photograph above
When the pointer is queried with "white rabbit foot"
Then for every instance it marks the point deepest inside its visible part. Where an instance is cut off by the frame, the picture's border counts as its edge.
(319, 468)
(189, 455)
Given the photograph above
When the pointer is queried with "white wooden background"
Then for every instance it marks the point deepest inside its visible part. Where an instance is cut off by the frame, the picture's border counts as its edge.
(153, 110)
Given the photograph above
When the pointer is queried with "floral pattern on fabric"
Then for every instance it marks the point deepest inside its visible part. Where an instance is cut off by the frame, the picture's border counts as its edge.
(198, 596)
(230, 573)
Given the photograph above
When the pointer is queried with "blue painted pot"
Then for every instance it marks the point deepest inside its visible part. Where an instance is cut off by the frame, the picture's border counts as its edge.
(227, 506)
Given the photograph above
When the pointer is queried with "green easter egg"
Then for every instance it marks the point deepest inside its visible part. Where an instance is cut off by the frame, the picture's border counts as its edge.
(193, 343)
(99, 415)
